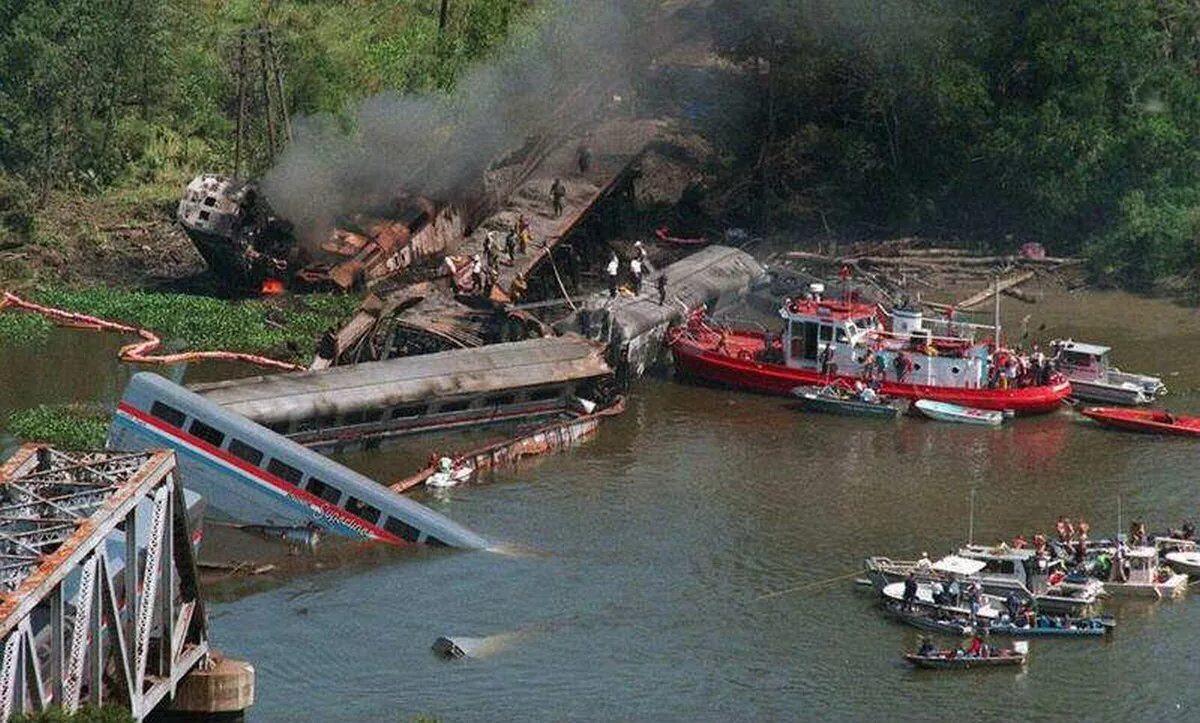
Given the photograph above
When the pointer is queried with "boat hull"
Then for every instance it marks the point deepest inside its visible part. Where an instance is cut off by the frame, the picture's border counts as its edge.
(1092, 391)
(1146, 421)
(1184, 563)
(744, 372)
(964, 662)
(958, 414)
(814, 402)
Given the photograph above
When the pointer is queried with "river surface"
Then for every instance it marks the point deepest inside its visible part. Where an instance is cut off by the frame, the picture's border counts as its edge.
(696, 559)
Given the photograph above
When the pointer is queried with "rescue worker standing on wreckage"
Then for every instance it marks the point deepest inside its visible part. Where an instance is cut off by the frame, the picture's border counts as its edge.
(613, 267)
(557, 192)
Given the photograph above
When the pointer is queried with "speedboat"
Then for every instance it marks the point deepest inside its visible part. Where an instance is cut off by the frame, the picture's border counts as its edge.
(946, 412)
(1150, 421)
(991, 608)
(1094, 379)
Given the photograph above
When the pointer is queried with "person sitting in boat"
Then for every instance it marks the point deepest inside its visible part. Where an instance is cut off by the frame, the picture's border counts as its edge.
(927, 648)
(1019, 542)
(865, 393)
(976, 649)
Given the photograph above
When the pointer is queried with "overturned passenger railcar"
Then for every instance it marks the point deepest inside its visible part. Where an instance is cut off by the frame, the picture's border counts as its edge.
(253, 475)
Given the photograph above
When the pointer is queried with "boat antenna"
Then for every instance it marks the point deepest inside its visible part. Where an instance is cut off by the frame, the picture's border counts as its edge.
(1119, 528)
(996, 280)
(971, 520)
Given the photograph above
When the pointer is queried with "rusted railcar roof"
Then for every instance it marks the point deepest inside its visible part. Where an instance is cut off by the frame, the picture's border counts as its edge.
(338, 390)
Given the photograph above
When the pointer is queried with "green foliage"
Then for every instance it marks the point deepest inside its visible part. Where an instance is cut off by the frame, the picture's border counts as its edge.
(17, 327)
(86, 714)
(203, 323)
(1076, 122)
(69, 426)
(94, 94)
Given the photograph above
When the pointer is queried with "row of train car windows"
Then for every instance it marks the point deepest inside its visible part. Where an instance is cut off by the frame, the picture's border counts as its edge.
(282, 470)
(407, 412)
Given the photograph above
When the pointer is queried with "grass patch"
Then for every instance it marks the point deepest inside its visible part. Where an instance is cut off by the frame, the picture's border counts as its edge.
(69, 426)
(286, 327)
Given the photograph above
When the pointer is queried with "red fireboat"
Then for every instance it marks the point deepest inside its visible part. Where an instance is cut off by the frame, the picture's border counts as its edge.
(905, 354)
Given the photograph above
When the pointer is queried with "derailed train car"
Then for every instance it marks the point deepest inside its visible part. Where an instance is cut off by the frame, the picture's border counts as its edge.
(254, 475)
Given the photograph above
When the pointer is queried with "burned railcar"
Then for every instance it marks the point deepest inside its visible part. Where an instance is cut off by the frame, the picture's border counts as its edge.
(366, 403)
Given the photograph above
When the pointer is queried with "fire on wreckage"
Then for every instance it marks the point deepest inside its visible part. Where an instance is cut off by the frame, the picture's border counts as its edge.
(244, 242)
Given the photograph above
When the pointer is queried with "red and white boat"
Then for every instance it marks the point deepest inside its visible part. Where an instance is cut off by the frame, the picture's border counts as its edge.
(825, 340)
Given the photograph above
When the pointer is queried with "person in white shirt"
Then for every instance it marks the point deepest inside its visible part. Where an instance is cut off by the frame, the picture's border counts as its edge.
(613, 267)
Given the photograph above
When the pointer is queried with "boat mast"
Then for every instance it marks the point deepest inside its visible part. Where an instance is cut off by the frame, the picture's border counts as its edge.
(996, 281)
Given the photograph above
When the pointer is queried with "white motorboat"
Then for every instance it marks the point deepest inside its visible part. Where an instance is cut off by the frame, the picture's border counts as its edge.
(991, 609)
(1093, 378)
(1184, 562)
(1141, 575)
(946, 412)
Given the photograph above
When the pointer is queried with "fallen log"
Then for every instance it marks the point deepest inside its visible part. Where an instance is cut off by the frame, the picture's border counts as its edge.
(1020, 295)
(1008, 283)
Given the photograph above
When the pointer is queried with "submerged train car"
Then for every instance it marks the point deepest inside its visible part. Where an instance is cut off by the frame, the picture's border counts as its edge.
(254, 475)
(366, 403)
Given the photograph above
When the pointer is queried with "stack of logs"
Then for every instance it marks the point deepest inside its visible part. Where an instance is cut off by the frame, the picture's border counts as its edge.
(898, 268)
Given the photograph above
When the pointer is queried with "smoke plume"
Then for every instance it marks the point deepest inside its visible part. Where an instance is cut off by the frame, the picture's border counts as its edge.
(433, 144)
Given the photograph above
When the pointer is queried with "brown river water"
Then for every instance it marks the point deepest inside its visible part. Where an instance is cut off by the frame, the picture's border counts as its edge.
(696, 560)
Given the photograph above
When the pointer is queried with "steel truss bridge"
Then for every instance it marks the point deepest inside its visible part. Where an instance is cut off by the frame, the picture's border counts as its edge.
(79, 624)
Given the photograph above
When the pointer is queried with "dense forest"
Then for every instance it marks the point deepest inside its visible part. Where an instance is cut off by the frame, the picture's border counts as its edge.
(1071, 122)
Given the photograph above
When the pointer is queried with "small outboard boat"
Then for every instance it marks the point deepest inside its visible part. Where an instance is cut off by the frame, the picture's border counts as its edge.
(954, 659)
(946, 412)
(1150, 421)
(835, 399)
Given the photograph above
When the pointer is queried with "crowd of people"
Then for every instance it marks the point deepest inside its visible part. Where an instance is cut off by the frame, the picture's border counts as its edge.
(1014, 369)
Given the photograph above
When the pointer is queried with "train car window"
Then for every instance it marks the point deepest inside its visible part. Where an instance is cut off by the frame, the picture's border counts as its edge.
(402, 529)
(356, 506)
(434, 542)
(322, 490)
(501, 400)
(374, 415)
(213, 436)
(541, 395)
(455, 406)
(355, 417)
(285, 472)
(280, 427)
(412, 411)
(326, 422)
(168, 414)
(238, 448)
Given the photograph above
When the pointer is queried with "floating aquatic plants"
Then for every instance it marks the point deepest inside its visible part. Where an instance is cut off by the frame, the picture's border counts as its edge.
(69, 426)
(196, 323)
